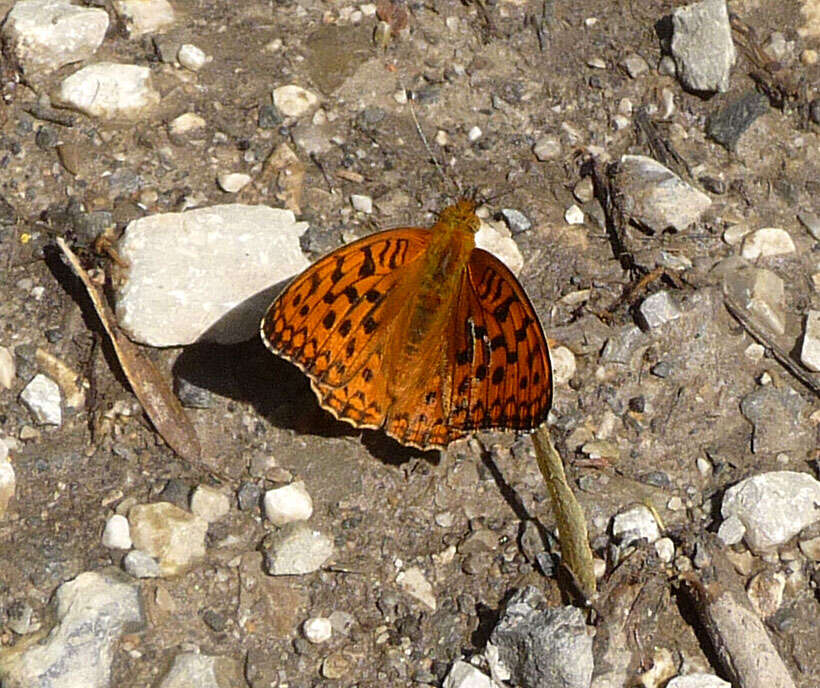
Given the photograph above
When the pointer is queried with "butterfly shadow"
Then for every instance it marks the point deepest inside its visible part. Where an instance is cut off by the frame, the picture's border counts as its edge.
(279, 392)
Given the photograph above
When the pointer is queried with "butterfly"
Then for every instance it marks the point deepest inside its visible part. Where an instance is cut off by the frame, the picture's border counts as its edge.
(417, 332)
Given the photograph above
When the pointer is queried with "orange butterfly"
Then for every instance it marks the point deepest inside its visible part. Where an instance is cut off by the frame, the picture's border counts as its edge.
(418, 332)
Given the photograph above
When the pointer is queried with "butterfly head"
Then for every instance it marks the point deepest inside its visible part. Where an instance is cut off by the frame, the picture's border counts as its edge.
(461, 214)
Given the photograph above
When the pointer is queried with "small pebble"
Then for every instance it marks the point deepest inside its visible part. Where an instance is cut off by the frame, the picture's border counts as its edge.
(42, 397)
(563, 365)
(141, 565)
(232, 182)
(474, 134)
(596, 63)
(665, 549)
(209, 503)
(7, 368)
(191, 57)
(810, 351)
(755, 352)
(635, 65)
(117, 533)
(288, 504)
(584, 190)
(294, 101)
(547, 148)
(811, 221)
(364, 204)
(574, 215)
(516, 221)
(317, 629)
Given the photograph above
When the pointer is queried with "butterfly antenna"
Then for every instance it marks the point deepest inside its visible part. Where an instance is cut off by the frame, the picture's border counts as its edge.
(423, 138)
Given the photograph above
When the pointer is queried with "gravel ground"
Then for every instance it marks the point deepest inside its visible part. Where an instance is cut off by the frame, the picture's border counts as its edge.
(665, 403)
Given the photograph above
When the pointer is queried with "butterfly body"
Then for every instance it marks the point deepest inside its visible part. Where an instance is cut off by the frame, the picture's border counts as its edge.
(418, 332)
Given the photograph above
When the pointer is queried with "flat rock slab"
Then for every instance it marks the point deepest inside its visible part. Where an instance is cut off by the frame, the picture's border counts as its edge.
(44, 35)
(189, 270)
(108, 90)
(702, 45)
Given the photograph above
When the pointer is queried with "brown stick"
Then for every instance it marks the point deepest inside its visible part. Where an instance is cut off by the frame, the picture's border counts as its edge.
(737, 633)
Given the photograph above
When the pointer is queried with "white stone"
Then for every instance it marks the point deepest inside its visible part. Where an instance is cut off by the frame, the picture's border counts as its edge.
(547, 148)
(495, 238)
(635, 524)
(698, 681)
(474, 134)
(8, 484)
(109, 90)
(42, 397)
(233, 182)
(810, 351)
(317, 629)
(191, 57)
(7, 368)
(209, 503)
(117, 533)
(413, 582)
(288, 504)
(174, 537)
(731, 531)
(44, 35)
(563, 365)
(765, 242)
(93, 610)
(194, 273)
(658, 309)
(186, 124)
(297, 550)
(755, 352)
(294, 101)
(773, 507)
(574, 215)
(364, 204)
(665, 549)
(145, 16)
(464, 675)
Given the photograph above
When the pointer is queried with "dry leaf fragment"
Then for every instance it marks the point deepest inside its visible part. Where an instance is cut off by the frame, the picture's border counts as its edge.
(156, 397)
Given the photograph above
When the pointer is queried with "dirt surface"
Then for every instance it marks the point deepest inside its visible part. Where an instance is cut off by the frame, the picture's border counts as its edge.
(468, 64)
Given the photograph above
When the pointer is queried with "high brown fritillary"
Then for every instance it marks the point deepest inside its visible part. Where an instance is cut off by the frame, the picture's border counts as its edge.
(418, 332)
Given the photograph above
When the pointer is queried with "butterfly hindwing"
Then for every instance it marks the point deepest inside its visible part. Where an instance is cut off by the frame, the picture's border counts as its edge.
(501, 375)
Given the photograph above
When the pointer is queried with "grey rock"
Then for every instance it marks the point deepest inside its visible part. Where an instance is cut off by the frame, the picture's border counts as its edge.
(773, 507)
(730, 122)
(656, 197)
(757, 290)
(298, 549)
(702, 45)
(192, 395)
(516, 221)
(547, 148)
(620, 347)
(141, 565)
(657, 310)
(698, 680)
(635, 65)
(811, 221)
(193, 670)
(543, 647)
(777, 416)
(731, 531)
(145, 16)
(42, 397)
(205, 271)
(93, 610)
(44, 35)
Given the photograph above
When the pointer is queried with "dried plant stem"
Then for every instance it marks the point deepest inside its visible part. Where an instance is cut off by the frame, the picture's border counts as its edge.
(572, 525)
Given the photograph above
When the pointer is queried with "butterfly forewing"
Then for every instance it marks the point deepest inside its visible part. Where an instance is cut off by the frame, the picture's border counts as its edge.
(329, 321)
(501, 376)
